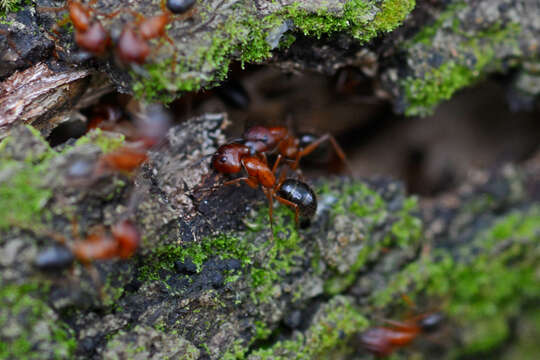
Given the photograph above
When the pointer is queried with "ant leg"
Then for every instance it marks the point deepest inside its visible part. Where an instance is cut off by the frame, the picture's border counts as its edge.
(326, 137)
(251, 182)
(275, 164)
(268, 194)
(290, 204)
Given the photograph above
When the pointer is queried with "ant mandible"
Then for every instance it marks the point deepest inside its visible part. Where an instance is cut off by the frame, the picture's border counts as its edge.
(382, 341)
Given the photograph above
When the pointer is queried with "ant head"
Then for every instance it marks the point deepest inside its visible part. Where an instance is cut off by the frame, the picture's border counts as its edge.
(227, 158)
(260, 139)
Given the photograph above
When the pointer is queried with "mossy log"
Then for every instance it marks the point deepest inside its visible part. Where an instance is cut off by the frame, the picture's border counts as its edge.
(209, 283)
(419, 53)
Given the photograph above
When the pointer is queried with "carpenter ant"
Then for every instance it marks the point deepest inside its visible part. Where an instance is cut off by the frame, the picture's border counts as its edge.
(232, 158)
(382, 341)
(261, 139)
(98, 245)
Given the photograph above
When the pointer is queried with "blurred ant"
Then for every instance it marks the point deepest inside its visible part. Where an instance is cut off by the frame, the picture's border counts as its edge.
(384, 340)
(133, 45)
(232, 158)
(90, 35)
(121, 243)
(151, 127)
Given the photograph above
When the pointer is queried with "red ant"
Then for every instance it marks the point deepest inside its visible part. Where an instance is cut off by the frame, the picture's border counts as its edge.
(150, 127)
(261, 139)
(232, 158)
(382, 341)
(122, 242)
(98, 245)
(90, 35)
(133, 44)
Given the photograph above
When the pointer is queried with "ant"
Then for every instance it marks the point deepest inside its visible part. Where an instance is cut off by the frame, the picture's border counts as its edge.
(232, 158)
(261, 139)
(382, 341)
(122, 242)
(90, 35)
(133, 46)
(150, 128)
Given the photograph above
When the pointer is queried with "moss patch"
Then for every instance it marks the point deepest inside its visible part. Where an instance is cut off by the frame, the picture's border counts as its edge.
(29, 328)
(106, 141)
(480, 292)
(275, 258)
(243, 36)
(470, 58)
(404, 230)
(23, 193)
(325, 338)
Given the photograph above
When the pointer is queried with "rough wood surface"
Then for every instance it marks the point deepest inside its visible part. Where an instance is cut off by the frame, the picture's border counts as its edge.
(207, 281)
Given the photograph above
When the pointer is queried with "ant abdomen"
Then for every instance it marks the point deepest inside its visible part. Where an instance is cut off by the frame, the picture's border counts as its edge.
(300, 194)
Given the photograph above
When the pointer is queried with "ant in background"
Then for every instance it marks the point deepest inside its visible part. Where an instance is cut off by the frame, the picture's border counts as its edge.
(133, 43)
(149, 127)
(384, 340)
(90, 35)
(121, 242)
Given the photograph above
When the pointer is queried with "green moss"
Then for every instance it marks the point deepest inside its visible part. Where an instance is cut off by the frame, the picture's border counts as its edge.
(243, 36)
(22, 313)
(106, 141)
(327, 336)
(23, 196)
(482, 291)
(21, 190)
(371, 209)
(277, 258)
(7, 6)
(424, 92)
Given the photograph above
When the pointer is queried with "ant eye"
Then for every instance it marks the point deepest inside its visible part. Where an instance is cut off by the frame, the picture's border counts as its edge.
(265, 138)
(223, 159)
